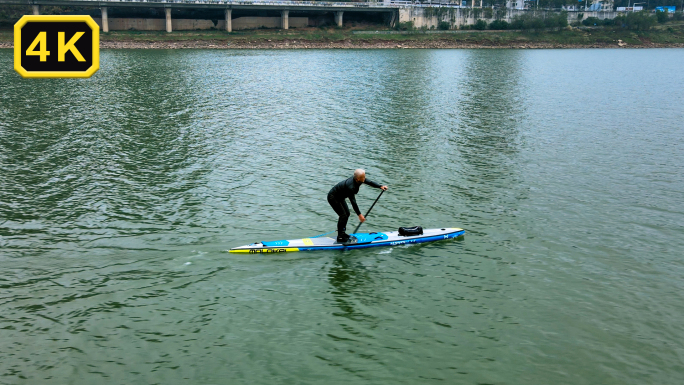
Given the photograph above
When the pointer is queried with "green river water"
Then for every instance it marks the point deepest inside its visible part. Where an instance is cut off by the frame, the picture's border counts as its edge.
(119, 195)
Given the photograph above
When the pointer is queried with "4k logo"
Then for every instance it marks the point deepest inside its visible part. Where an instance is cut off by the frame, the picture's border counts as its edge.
(56, 46)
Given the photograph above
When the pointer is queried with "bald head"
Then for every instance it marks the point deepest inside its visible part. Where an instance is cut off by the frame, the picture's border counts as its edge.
(360, 175)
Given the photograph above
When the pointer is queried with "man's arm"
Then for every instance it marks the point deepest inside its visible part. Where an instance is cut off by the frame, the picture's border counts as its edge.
(373, 184)
(354, 205)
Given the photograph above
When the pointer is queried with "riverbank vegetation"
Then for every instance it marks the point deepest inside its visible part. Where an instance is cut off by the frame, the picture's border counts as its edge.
(667, 35)
(639, 21)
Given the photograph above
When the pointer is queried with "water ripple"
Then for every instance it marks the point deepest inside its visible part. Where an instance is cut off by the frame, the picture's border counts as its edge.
(118, 194)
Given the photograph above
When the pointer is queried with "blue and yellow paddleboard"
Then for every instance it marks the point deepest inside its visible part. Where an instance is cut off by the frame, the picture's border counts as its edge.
(358, 241)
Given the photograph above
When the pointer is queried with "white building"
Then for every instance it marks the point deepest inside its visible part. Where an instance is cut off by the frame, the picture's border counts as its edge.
(515, 4)
(607, 5)
(601, 5)
(594, 5)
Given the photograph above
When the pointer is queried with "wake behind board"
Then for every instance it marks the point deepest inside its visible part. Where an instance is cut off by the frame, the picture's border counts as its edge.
(358, 241)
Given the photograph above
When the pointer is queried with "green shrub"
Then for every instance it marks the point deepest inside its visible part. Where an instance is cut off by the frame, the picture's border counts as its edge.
(528, 22)
(480, 25)
(537, 23)
(499, 24)
(662, 17)
(639, 21)
(443, 25)
(517, 23)
(591, 21)
(557, 21)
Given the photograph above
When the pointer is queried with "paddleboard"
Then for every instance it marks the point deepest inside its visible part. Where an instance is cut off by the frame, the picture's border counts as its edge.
(357, 241)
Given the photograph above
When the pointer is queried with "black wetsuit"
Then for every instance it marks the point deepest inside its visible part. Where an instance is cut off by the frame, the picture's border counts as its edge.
(336, 197)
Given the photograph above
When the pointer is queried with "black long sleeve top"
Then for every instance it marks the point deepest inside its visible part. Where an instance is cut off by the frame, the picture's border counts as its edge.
(347, 189)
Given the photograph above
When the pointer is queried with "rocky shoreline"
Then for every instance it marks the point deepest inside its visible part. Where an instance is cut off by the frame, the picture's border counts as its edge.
(356, 44)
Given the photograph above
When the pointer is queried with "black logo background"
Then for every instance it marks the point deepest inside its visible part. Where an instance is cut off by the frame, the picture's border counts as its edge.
(84, 45)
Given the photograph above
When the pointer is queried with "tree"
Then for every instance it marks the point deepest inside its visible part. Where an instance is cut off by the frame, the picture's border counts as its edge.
(557, 21)
(639, 21)
(662, 17)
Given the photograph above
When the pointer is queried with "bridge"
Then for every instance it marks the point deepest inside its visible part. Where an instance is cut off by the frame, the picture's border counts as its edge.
(284, 7)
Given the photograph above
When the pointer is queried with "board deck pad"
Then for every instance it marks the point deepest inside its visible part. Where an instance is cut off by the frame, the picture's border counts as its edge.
(358, 241)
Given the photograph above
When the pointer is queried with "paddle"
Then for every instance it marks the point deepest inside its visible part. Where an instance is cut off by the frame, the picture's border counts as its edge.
(369, 210)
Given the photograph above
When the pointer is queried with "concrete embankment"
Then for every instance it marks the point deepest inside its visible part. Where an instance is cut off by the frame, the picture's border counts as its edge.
(422, 17)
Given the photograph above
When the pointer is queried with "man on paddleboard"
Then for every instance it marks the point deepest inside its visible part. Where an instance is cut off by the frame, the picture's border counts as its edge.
(347, 189)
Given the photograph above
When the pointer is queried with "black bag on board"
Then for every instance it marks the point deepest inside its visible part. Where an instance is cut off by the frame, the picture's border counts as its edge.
(409, 231)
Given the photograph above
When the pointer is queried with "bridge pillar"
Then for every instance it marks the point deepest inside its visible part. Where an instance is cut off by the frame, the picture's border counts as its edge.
(285, 18)
(168, 19)
(338, 18)
(229, 20)
(105, 20)
(36, 9)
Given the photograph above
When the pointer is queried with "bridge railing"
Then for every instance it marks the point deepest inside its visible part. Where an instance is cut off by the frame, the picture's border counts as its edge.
(294, 3)
(259, 2)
